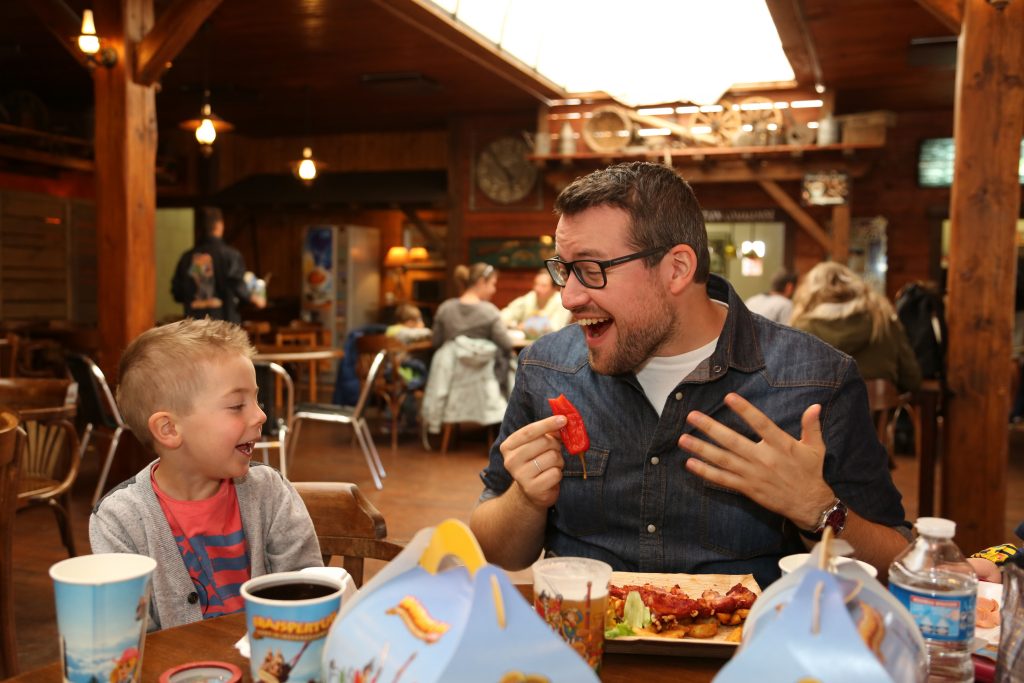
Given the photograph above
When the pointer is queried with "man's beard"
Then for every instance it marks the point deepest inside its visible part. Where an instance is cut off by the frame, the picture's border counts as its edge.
(647, 333)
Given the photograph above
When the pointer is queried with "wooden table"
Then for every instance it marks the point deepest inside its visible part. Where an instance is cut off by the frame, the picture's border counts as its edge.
(213, 639)
(299, 354)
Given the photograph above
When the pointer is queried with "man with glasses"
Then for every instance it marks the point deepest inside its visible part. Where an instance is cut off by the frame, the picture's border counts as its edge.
(719, 442)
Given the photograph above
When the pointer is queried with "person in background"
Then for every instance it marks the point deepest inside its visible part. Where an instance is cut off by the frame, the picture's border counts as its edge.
(539, 311)
(718, 442)
(834, 304)
(408, 326)
(210, 278)
(473, 315)
(209, 518)
(776, 304)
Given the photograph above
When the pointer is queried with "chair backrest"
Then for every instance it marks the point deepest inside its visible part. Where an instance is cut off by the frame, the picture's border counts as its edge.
(25, 393)
(97, 404)
(372, 371)
(287, 337)
(10, 444)
(347, 525)
(268, 374)
(883, 395)
(9, 354)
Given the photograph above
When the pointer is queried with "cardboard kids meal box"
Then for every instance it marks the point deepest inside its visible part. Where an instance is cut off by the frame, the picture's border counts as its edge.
(427, 618)
(830, 622)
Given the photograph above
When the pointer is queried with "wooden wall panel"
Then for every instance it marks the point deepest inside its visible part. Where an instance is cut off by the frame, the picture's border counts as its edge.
(34, 279)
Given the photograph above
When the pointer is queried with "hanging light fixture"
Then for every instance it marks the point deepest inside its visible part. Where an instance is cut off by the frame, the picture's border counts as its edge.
(307, 168)
(89, 44)
(208, 125)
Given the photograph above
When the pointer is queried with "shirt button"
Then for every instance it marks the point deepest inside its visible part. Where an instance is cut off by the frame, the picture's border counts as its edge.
(193, 598)
(679, 396)
(651, 528)
(655, 460)
(717, 368)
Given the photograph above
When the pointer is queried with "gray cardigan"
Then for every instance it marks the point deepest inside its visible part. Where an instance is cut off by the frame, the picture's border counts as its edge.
(278, 531)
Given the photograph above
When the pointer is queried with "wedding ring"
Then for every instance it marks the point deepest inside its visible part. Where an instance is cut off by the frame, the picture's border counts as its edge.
(537, 465)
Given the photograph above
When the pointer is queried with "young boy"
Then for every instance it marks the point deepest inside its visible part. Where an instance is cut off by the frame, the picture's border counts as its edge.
(188, 391)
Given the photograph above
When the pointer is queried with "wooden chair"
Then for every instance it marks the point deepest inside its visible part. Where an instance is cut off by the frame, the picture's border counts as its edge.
(389, 386)
(9, 354)
(886, 403)
(10, 444)
(349, 415)
(50, 457)
(347, 525)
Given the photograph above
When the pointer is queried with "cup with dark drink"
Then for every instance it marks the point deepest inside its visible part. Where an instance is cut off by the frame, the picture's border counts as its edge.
(287, 616)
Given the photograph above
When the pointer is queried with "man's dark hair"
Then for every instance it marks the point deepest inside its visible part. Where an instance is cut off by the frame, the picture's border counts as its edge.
(781, 279)
(211, 217)
(663, 211)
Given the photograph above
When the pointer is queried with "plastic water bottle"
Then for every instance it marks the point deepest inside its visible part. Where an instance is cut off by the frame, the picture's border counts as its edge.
(939, 589)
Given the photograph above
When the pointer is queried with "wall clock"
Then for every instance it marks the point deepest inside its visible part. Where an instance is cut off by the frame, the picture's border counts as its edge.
(503, 173)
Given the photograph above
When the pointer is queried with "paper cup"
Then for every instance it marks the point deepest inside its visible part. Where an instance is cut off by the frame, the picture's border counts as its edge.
(287, 617)
(790, 563)
(571, 595)
(102, 613)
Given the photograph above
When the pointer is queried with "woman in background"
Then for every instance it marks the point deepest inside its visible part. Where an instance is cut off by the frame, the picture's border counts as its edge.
(473, 315)
(834, 304)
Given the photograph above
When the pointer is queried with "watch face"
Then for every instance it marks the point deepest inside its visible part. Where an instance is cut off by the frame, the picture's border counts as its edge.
(503, 172)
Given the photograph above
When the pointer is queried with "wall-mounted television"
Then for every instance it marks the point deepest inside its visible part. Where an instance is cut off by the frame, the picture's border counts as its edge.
(935, 163)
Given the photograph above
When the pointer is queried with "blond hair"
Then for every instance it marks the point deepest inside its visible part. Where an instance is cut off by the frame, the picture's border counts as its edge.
(833, 283)
(162, 369)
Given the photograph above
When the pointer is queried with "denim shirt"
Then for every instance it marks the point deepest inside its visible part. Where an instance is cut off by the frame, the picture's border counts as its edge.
(640, 509)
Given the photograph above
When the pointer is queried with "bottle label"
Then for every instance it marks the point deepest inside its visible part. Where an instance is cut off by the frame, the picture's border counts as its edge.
(949, 618)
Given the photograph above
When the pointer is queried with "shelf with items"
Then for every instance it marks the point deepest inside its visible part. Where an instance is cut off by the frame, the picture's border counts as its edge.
(703, 153)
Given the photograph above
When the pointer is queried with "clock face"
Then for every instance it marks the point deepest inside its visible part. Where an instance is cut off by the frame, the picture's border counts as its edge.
(503, 172)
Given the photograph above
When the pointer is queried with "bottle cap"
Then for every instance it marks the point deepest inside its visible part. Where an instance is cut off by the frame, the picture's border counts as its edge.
(936, 527)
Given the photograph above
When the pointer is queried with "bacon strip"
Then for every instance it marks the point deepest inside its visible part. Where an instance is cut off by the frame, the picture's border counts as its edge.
(673, 602)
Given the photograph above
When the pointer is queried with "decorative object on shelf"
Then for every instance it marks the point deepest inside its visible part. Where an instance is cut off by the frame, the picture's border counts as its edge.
(521, 252)
(828, 130)
(716, 124)
(566, 140)
(89, 44)
(504, 175)
(609, 129)
(825, 188)
(761, 123)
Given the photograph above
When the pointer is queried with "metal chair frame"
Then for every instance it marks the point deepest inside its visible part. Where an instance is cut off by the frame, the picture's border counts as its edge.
(349, 415)
(284, 424)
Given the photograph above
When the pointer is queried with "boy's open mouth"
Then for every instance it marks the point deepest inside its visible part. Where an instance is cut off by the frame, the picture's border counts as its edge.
(594, 327)
(246, 448)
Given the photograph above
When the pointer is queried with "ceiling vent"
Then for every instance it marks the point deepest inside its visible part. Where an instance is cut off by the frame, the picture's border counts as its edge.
(400, 83)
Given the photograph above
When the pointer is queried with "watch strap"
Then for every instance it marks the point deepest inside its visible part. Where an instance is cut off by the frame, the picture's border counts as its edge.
(833, 516)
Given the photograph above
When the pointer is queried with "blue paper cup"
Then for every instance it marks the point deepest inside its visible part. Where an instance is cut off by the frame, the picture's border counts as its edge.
(287, 616)
(102, 613)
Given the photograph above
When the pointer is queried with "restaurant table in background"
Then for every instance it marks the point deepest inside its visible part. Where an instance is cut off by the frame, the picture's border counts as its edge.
(214, 639)
(299, 354)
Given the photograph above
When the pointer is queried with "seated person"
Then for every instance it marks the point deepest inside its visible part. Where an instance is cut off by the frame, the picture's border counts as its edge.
(212, 521)
(409, 327)
(775, 304)
(719, 441)
(539, 311)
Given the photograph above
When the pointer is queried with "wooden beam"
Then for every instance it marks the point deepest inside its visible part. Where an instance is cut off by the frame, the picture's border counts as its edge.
(841, 233)
(796, 41)
(171, 33)
(949, 12)
(46, 158)
(439, 25)
(428, 233)
(984, 206)
(802, 218)
(62, 22)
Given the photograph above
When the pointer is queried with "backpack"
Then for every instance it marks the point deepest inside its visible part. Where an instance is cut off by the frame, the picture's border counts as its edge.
(923, 315)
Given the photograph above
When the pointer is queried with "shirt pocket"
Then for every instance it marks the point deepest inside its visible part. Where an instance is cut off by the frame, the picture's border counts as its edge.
(736, 527)
(580, 507)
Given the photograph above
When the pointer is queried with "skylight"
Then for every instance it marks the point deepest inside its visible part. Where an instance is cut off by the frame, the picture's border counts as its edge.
(641, 52)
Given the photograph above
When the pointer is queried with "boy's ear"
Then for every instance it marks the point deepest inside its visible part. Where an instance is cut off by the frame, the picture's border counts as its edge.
(683, 266)
(164, 429)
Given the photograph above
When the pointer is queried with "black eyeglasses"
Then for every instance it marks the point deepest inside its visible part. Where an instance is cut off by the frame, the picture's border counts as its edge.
(592, 273)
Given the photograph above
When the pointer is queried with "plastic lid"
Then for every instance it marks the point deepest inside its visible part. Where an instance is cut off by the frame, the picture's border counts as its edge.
(936, 527)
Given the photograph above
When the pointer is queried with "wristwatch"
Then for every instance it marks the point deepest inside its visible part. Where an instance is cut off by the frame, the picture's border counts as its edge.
(834, 516)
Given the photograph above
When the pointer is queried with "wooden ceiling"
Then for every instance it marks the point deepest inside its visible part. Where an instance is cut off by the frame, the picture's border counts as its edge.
(282, 67)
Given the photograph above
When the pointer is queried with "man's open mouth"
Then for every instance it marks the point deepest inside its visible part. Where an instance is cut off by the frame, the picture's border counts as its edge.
(246, 448)
(594, 327)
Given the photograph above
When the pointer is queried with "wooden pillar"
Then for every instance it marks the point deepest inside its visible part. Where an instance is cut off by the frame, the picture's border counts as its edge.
(125, 184)
(984, 205)
(841, 233)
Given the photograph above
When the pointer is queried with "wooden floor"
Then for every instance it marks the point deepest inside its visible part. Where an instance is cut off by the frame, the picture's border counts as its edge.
(421, 490)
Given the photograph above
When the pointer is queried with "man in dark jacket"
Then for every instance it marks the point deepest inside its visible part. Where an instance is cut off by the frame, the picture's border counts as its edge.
(210, 278)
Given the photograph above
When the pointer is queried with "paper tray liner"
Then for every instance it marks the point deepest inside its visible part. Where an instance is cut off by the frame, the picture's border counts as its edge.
(694, 586)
